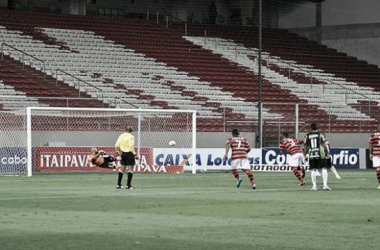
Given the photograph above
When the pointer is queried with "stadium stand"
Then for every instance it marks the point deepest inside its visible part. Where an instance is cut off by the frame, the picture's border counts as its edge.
(141, 69)
(300, 52)
(289, 46)
(144, 65)
(293, 47)
(17, 79)
(329, 95)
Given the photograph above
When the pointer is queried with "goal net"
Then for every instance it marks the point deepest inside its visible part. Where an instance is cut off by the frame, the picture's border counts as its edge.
(60, 139)
(13, 157)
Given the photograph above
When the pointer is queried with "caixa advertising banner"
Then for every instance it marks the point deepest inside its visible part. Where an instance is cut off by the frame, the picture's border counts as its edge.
(348, 158)
(12, 159)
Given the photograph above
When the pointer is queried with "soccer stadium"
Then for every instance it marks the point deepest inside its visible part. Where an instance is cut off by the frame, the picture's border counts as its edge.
(189, 124)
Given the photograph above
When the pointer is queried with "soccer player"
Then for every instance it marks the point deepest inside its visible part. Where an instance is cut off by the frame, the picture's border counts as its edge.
(329, 163)
(293, 146)
(240, 147)
(374, 152)
(316, 147)
(100, 159)
(126, 143)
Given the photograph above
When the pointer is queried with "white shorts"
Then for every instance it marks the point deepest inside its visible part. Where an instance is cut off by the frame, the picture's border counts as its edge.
(376, 161)
(295, 160)
(240, 164)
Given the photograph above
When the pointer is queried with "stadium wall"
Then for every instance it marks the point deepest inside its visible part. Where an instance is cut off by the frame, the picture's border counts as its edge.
(358, 40)
(361, 41)
(343, 12)
(334, 12)
(352, 27)
(181, 9)
(295, 15)
(204, 139)
(3, 3)
(84, 138)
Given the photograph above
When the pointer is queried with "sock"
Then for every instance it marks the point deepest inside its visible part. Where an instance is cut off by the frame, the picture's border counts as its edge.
(378, 175)
(297, 174)
(314, 178)
(324, 177)
(250, 175)
(120, 177)
(333, 169)
(129, 180)
(235, 173)
(303, 173)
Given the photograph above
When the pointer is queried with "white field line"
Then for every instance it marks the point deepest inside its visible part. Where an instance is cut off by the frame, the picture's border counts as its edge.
(123, 193)
(60, 179)
(120, 193)
(101, 178)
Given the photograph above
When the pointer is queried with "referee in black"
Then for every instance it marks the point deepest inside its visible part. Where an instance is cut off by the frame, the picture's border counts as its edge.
(126, 144)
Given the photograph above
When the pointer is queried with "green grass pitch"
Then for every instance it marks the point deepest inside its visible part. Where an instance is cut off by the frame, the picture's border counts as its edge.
(203, 211)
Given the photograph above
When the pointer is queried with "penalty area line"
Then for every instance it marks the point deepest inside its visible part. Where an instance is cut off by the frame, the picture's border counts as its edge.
(118, 193)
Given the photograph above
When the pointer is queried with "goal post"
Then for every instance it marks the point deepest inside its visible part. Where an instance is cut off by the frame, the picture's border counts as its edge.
(60, 139)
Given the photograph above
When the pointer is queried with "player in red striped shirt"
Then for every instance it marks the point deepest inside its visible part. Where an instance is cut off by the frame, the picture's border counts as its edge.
(240, 147)
(293, 146)
(374, 151)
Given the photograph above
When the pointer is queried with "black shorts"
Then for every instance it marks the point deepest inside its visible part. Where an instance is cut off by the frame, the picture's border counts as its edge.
(107, 161)
(317, 163)
(328, 164)
(127, 159)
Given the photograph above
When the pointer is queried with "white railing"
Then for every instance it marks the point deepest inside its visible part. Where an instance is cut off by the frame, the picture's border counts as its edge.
(79, 81)
(22, 57)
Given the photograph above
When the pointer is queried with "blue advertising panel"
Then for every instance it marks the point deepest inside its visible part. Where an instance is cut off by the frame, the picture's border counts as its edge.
(12, 158)
(345, 158)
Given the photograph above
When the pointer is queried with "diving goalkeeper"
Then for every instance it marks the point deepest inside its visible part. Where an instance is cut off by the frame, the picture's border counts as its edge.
(99, 158)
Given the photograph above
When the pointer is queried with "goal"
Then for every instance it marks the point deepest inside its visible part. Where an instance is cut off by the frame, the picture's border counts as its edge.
(60, 139)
